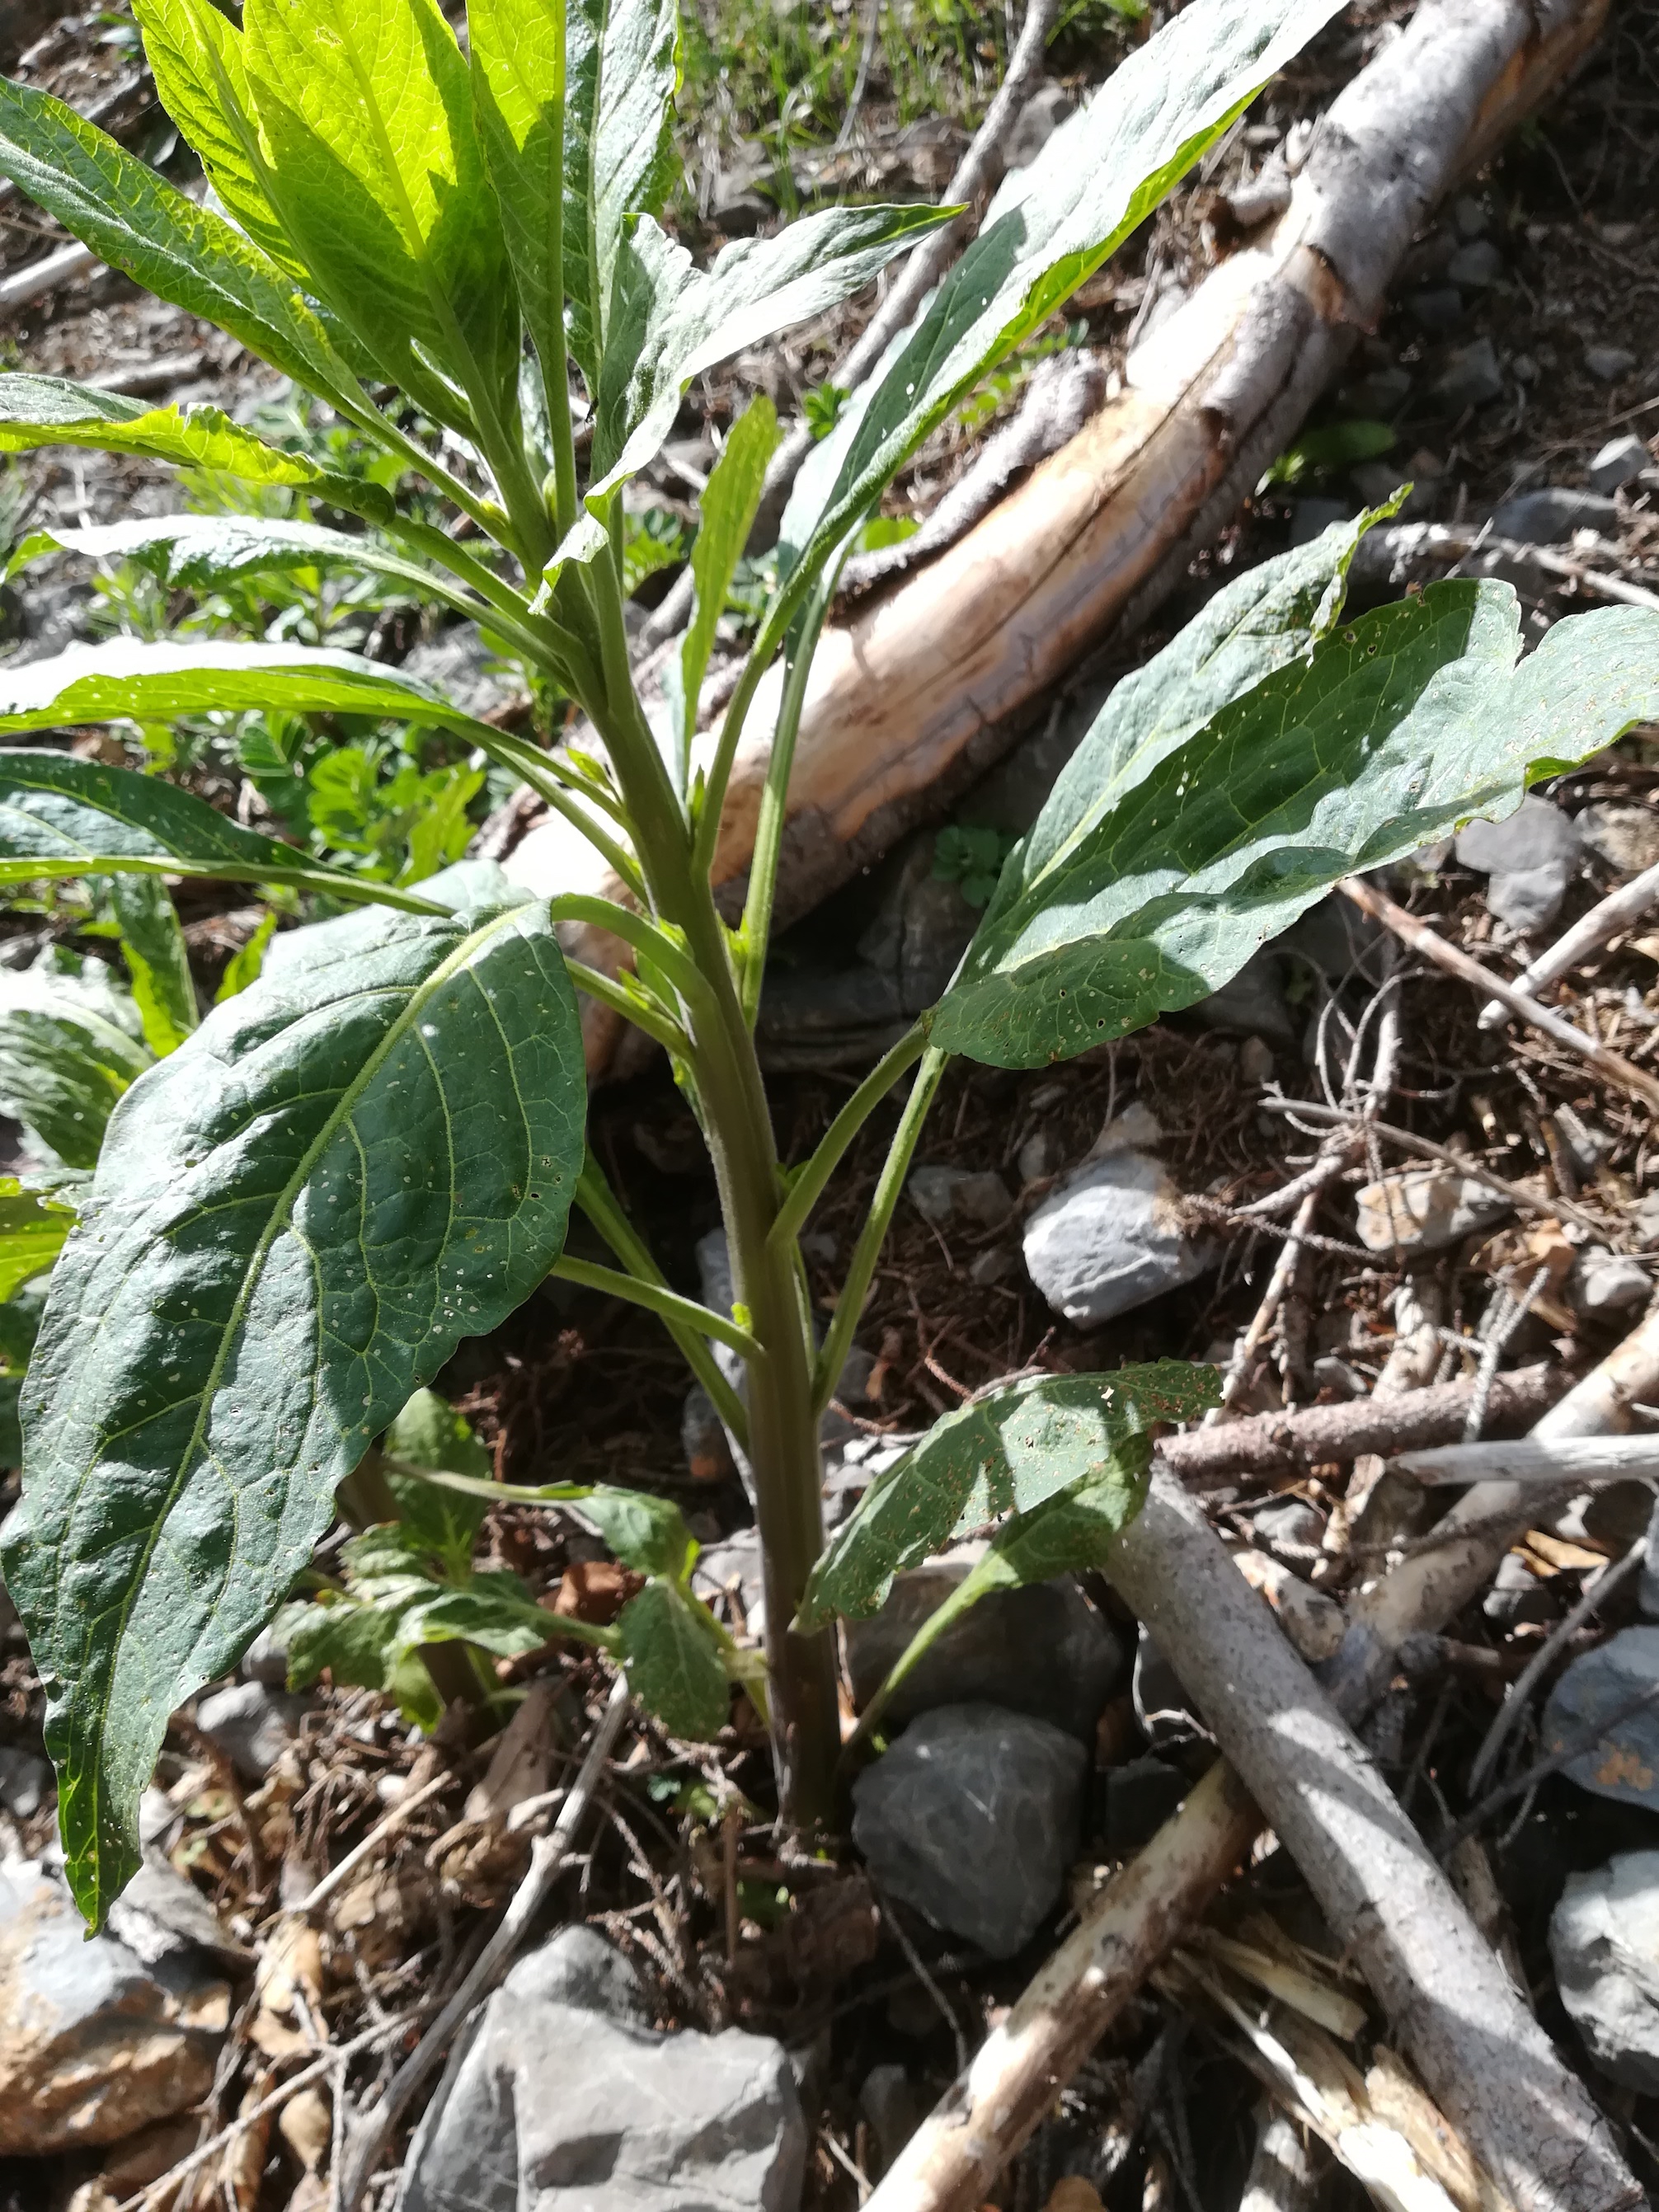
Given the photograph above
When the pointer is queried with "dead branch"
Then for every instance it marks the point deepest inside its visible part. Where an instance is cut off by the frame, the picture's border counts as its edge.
(1587, 934)
(1536, 1460)
(1480, 2054)
(1266, 1446)
(1612, 1066)
(915, 697)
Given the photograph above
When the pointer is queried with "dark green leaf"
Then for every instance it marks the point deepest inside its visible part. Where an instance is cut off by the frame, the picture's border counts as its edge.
(1053, 222)
(32, 1233)
(154, 946)
(376, 174)
(619, 150)
(69, 1047)
(646, 1534)
(673, 1662)
(1000, 1454)
(1395, 729)
(671, 321)
(360, 1159)
(63, 816)
(146, 227)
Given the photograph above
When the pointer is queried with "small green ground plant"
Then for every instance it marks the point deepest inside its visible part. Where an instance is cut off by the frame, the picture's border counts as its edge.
(299, 1206)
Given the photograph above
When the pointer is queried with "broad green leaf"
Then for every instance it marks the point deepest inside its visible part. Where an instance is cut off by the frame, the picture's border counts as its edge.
(146, 227)
(430, 1433)
(244, 967)
(195, 54)
(32, 1233)
(673, 1662)
(670, 320)
(153, 945)
(623, 67)
(1394, 729)
(47, 410)
(131, 680)
(199, 552)
(1005, 1453)
(63, 816)
(646, 1534)
(1271, 615)
(69, 1047)
(726, 515)
(365, 1157)
(365, 114)
(1052, 223)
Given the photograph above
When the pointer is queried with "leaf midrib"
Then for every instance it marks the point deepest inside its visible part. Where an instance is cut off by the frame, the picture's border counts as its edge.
(282, 1206)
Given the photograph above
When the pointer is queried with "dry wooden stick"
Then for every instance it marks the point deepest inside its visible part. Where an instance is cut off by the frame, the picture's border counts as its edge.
(951, 2162)
(1612, 1066)
(1536, 1460)
(1587, 934)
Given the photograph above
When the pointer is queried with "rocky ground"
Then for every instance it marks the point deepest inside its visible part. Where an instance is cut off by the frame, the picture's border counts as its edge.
(696, 2017)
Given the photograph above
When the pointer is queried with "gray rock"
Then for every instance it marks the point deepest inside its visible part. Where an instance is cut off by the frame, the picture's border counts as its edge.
(938, 921)
(167, 1923)
(1109, 1237)
(1036, 122)
(941, 1194)
(973, 1818)
(1469, 377)
(995, 1266)
(1516, 1596)
(1603, 1282)
(92, 2046)
(1469, 218)
(1423, 1210)
(1530, 857)
(264, 1661)
(1619, 462)
(1312, 518)
(1549, 515)
(1647, 1592)
(561, 2097)
(1437, 309)
(1253, 1004)
(1478, 265)
(1623, 1763)
(1039, 1156)
(1381, 392)
(890, 2101)
(1623, 832)
(1604, 1942)
(1607, 363)
(1293, 1529)
(25, 1778)
(1140, 1797)
(253, 1723)
(458, 663)
(1043, 1650)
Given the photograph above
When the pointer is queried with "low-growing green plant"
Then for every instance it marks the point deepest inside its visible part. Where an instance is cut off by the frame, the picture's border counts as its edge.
(372, 1151)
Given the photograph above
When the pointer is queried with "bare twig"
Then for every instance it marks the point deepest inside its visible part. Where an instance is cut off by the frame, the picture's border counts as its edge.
(1544, 1658)
(1520, 1785)
(1587, 934)
(1536, 1460)
(1611, 1065)
(354, 1858)
(548, 1856)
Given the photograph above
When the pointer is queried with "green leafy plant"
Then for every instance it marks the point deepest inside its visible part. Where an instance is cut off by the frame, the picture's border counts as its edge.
(372, 1151)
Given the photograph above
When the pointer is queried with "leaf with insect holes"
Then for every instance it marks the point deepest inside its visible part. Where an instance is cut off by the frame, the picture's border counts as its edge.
(673, 1660)
(1052, 223)
(646, 1533)
(671, 321)
(63, 816)
(33, 1228)
(1007, 1452)
(146, 227)
(1392, 731)
(365, 1157)
(153, 945)
(71, 1047)
(47, 411)
(200, 552)
(365, 112)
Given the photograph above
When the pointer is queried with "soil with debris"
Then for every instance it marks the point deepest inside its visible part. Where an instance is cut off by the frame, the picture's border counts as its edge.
(1496, 1215)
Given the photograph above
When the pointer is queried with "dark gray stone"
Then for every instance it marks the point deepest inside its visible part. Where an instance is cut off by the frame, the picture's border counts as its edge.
(1623, 1762)
(25, 1779)
(1253, 1004)
(1140, 1797)
(973, 1818)
(1437, 309)
(1549, 515)
(1619, 462)
(941, 1194)
(1312, 518)
(253, 1724)
(561, 2097)
(166, 1922)
(1110, 1236)
(1604, 1943)
(1469, 377)
(1478, 265)
(1606, 1283)
(1036, 122)
(1293, 1529)
(1607, 363)
(1530, 857)
(890, 2100)
(1043, 1650)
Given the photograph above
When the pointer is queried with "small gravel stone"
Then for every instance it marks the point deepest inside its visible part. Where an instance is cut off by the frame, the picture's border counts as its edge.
(1530, 857)
(1608, 362)
(1469, 377)
(973, 1818)
(1619, 462)
(1549, 515)
(1110, 1236)
(1478, 265)
(253, 1724)
(1423, 1209)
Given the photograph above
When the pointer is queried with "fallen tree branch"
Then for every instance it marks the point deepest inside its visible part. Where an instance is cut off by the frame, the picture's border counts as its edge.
(1612, 1066)
(1266, 1446)
(1480, 2054)
(951, 2162)
(1535, 1460)
(917, 695)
